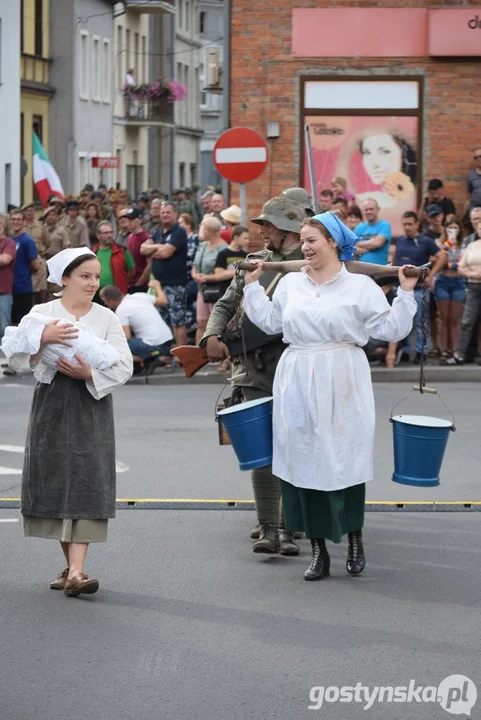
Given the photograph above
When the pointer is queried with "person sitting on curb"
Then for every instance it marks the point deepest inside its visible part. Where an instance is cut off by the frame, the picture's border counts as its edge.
(148, 335)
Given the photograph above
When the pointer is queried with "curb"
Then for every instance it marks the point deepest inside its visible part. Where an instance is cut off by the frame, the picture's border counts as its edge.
(432, 374)
(408, 506)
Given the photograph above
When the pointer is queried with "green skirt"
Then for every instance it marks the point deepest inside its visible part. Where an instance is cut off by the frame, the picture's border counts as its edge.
(322, 514)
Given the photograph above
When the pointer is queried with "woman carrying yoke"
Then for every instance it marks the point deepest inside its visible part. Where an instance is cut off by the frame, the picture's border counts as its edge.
(324, 420)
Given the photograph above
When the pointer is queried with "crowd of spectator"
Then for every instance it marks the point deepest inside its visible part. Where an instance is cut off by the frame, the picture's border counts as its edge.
(166, 261)
(163, 261)
(448, 238)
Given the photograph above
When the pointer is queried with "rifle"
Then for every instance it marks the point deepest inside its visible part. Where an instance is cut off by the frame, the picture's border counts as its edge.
(354, 266)
(193, 357)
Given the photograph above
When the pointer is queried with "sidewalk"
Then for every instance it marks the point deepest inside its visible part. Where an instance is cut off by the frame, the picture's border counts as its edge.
(433, 373)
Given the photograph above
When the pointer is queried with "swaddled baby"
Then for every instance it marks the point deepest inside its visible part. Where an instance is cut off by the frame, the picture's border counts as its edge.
(26, 338)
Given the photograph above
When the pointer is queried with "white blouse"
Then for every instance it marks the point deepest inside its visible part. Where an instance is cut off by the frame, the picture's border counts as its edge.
(100, 322)
(347, 309)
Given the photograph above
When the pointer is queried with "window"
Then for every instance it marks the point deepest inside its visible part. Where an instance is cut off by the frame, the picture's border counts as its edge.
(39, 27)
(95, 68)
(181, 14)
(134, 180)
(84, 65)
(193, 173)
(203, 94)
(136, 56)
(186, 102)
(202, 22)
(105, 69)
(182, 174)
(144, 59)
(119, 57)
(128, 63)
(187, 15)
(82, 171)
(195, 93)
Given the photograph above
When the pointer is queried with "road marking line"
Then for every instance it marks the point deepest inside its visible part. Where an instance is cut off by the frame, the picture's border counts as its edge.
(8, 520)
(9, 471)
(13, 448)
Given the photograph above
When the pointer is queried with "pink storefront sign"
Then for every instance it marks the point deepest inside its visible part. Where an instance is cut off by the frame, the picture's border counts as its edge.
(386, 32)
(455, 32)
(359, 32)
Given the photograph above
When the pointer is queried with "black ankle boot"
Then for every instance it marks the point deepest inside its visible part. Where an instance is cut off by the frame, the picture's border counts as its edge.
(321, 562)
(356, 562)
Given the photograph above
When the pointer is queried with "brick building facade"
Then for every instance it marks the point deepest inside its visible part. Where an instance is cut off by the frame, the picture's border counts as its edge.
(268, 74)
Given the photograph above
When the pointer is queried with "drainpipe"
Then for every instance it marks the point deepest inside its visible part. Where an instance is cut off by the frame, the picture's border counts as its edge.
(173, 132)
(226, 79)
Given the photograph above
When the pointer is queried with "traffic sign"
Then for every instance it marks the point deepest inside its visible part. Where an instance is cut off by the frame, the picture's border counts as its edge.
(240, 155)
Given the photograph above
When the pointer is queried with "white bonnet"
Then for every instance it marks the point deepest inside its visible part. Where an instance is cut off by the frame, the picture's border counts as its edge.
(62, 260)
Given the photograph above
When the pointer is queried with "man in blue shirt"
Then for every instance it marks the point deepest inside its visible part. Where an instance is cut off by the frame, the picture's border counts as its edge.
(168, 251)
(26, 263)
(374, 235)
(415, 249)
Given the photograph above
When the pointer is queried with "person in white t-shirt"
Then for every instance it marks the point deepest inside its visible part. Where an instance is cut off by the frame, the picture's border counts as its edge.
(148, 335)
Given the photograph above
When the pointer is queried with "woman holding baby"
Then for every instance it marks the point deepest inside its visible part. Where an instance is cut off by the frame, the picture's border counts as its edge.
(79, 354)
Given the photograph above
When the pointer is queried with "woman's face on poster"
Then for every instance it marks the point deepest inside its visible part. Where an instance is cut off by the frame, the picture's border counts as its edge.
(381, 155)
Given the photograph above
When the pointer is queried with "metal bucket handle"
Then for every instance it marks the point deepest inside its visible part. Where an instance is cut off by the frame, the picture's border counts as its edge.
(431, 391)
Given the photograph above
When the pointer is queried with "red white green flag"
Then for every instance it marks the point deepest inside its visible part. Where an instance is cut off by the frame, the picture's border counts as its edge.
(45, 178)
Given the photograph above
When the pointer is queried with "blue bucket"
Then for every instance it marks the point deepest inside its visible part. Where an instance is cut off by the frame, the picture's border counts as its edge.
(249, 427)
(419, 445)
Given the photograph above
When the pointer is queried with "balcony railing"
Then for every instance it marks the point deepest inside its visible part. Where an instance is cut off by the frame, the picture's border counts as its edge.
(147, 112)
(35, 69)
(151, 6)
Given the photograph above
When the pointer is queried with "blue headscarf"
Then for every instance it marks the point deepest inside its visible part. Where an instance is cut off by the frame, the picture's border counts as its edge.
(345, 238)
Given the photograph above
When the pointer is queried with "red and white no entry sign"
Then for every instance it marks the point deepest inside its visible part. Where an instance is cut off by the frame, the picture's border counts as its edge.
(240, 155)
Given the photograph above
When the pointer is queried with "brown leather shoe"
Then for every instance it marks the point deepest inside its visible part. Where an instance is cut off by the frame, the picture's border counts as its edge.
(59, 583)
(80, 584)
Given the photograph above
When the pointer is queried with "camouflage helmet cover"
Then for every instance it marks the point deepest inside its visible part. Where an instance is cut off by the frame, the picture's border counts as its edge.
(283, 213)
(301, 196)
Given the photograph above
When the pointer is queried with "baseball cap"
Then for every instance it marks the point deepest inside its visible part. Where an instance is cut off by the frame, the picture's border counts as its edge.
(135, 213)
(434, 210)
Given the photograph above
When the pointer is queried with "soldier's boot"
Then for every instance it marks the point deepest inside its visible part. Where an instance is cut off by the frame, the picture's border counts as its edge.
(255, 532)
(320, 563)
(288, 546)
(268, 541)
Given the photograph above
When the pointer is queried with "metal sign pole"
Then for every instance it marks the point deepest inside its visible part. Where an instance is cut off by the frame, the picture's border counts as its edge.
(243, 203)
(310, 164)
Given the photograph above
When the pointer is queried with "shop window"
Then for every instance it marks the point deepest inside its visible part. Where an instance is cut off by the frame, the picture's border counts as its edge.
(369, 133)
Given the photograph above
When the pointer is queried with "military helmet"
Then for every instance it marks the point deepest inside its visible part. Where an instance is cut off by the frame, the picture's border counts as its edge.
(301, 196)
(283, 213)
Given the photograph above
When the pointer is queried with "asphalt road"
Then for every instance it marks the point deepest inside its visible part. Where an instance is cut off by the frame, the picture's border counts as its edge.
(190, 624)
(167, 443)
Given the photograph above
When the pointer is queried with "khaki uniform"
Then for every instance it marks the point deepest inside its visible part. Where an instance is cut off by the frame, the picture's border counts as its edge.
(253, 375)
(59, 240)
(189, 207)
(77, 233)
(37, 231)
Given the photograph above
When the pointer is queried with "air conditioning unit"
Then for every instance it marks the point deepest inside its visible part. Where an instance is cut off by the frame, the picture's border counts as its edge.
(213, 69)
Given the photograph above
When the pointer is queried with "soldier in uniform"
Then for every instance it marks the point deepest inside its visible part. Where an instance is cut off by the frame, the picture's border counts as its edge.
(253, 373)
(57, 237)
(37, 231)
(75, 227)
(301, 196)
(184, 204)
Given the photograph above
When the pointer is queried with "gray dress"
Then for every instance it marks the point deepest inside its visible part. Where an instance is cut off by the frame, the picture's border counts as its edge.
(69, 467)
(68, 482)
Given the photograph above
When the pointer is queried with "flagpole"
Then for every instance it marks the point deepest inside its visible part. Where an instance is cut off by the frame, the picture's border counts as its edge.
(310, 164)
